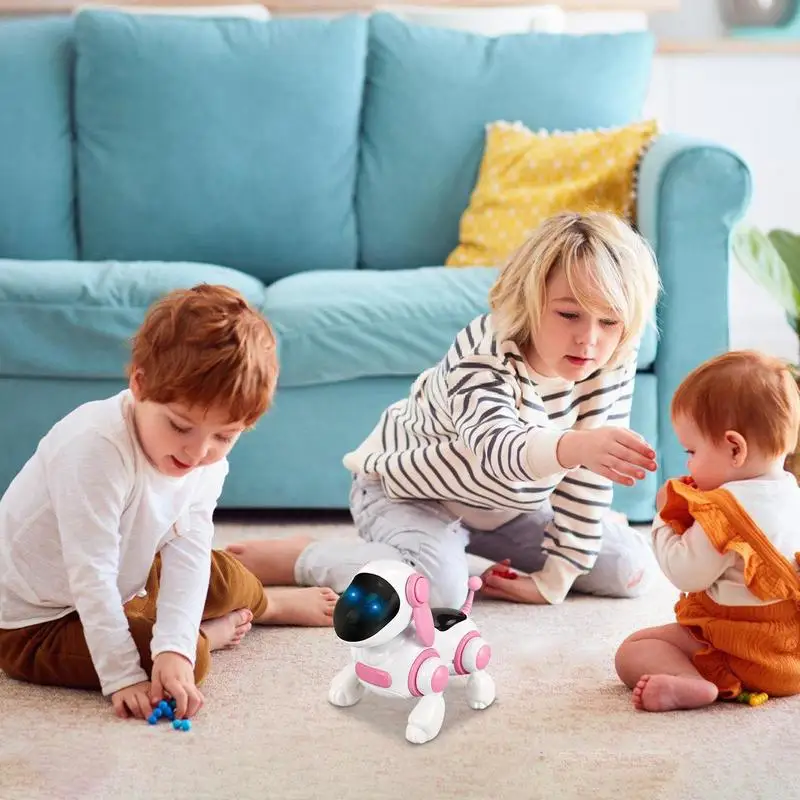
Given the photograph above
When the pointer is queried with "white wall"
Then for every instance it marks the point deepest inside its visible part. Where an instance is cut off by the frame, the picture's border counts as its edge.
(696, 19)
(750, 103)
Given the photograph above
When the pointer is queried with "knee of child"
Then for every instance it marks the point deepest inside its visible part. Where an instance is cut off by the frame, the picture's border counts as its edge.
(444, 562)
(624, 574)
(449, 588)
(621, 662)
(637, 572)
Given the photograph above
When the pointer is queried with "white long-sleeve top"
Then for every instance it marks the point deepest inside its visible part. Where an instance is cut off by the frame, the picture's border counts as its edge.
(481, 429)
(80, 526)
(693, 564)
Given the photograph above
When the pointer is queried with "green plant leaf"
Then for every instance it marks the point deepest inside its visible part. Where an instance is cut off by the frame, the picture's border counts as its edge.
(760, 259)
(787, 245)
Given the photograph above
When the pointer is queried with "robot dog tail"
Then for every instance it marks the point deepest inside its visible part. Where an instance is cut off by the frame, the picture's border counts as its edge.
(474, 583)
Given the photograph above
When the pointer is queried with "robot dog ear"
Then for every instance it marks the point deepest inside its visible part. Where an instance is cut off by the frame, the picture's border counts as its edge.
(417, 594)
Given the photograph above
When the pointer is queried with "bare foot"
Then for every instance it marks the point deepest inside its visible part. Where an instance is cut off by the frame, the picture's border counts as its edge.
(308, 607)
(270, 560)
(227, 631)
(672, 692)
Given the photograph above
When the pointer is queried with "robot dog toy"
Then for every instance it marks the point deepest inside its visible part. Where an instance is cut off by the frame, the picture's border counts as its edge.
(401, 646)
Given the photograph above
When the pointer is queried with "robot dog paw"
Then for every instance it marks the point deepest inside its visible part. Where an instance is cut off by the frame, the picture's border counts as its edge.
(425, 721)
(345, 690)
(344, 696)
(417, 735)
(481, 690)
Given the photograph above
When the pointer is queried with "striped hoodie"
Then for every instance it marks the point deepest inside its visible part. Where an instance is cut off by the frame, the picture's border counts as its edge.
(481, 429)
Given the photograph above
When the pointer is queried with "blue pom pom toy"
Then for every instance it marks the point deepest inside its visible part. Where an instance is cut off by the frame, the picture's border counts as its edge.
(166, 710)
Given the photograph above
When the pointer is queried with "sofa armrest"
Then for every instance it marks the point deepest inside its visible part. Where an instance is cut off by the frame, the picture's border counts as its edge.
(690, 195)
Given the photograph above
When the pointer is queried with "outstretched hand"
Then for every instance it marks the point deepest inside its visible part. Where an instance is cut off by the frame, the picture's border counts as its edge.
(619, 454)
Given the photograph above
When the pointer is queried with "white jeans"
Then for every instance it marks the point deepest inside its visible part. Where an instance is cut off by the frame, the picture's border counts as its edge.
(426, 536)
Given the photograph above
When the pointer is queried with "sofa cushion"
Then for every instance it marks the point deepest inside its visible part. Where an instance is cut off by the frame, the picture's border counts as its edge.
(76, 319)
(528, 176)
(224, 141)
(338, 326)
(431, 91)
(36, 169)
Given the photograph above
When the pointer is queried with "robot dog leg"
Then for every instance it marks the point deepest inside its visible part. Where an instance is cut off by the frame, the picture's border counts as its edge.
(425, 721)
(346, 688)
(472, 656)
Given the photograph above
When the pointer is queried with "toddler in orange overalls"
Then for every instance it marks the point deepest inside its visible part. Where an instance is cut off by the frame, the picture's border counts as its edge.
(728, 537)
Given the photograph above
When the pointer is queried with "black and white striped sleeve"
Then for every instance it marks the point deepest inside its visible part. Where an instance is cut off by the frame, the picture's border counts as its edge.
(573, 539)
(483, 395)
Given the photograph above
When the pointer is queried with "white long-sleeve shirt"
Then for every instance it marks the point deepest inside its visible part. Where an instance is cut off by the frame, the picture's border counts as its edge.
(481, 430)
(80, 526)
(693, 564)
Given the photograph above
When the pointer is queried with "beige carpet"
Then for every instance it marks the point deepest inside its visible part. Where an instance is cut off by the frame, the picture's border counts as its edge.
(562, 727)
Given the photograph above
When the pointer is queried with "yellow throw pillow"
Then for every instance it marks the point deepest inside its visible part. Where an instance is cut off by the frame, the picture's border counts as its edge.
(526, 177)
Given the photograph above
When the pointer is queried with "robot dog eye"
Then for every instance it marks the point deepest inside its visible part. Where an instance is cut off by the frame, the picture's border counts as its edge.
(367, 605)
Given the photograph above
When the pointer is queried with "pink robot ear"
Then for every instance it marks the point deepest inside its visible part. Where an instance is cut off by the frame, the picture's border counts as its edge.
(417, 593)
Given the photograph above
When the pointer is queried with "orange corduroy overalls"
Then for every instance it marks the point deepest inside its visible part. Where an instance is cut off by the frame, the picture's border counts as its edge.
(748, 648)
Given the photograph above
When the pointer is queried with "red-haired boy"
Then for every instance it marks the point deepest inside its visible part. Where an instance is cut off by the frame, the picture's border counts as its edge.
(108, 579)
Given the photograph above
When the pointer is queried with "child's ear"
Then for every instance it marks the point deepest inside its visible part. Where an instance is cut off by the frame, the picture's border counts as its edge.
(135, 383)
(737, 447)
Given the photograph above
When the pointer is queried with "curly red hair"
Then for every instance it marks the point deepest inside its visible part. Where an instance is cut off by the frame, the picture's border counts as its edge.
(207, 347)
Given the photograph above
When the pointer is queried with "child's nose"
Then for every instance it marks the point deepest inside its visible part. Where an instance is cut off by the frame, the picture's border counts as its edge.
(588, 335)
(197, 452)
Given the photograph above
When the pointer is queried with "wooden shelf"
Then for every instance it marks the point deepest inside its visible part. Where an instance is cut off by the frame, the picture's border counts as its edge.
(18, 7)
(650, 6)
(733, 47)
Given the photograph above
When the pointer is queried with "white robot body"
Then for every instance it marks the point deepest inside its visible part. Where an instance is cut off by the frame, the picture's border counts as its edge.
(401, 647)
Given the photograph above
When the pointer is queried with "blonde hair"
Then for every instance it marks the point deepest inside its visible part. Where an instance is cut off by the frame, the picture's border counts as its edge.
(744, 391)
(608, 267)
(208, 347)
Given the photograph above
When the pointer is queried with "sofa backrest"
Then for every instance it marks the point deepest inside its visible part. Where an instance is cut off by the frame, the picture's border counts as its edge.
(37, 218)
(430, 93)
(228, 141)
(275, 147)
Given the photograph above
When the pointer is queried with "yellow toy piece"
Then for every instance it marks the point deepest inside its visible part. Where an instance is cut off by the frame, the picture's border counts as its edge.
(752, 698)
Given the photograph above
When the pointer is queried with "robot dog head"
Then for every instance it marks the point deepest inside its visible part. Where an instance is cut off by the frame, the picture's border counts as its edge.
(381, 601)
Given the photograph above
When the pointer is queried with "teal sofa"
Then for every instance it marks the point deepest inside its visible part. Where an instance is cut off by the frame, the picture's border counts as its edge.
(321, 167)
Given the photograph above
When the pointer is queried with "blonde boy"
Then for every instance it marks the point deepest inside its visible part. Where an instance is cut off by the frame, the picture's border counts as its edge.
(727, 537)
(107, 576)
(509, 447)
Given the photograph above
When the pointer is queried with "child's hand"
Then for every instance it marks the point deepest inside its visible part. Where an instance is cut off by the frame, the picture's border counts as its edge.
(133, 700)
(501, 570)
(173, 674)
(615, 453)
(517, 589)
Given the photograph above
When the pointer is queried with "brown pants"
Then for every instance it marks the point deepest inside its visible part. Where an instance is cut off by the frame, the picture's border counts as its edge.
(56, 654)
